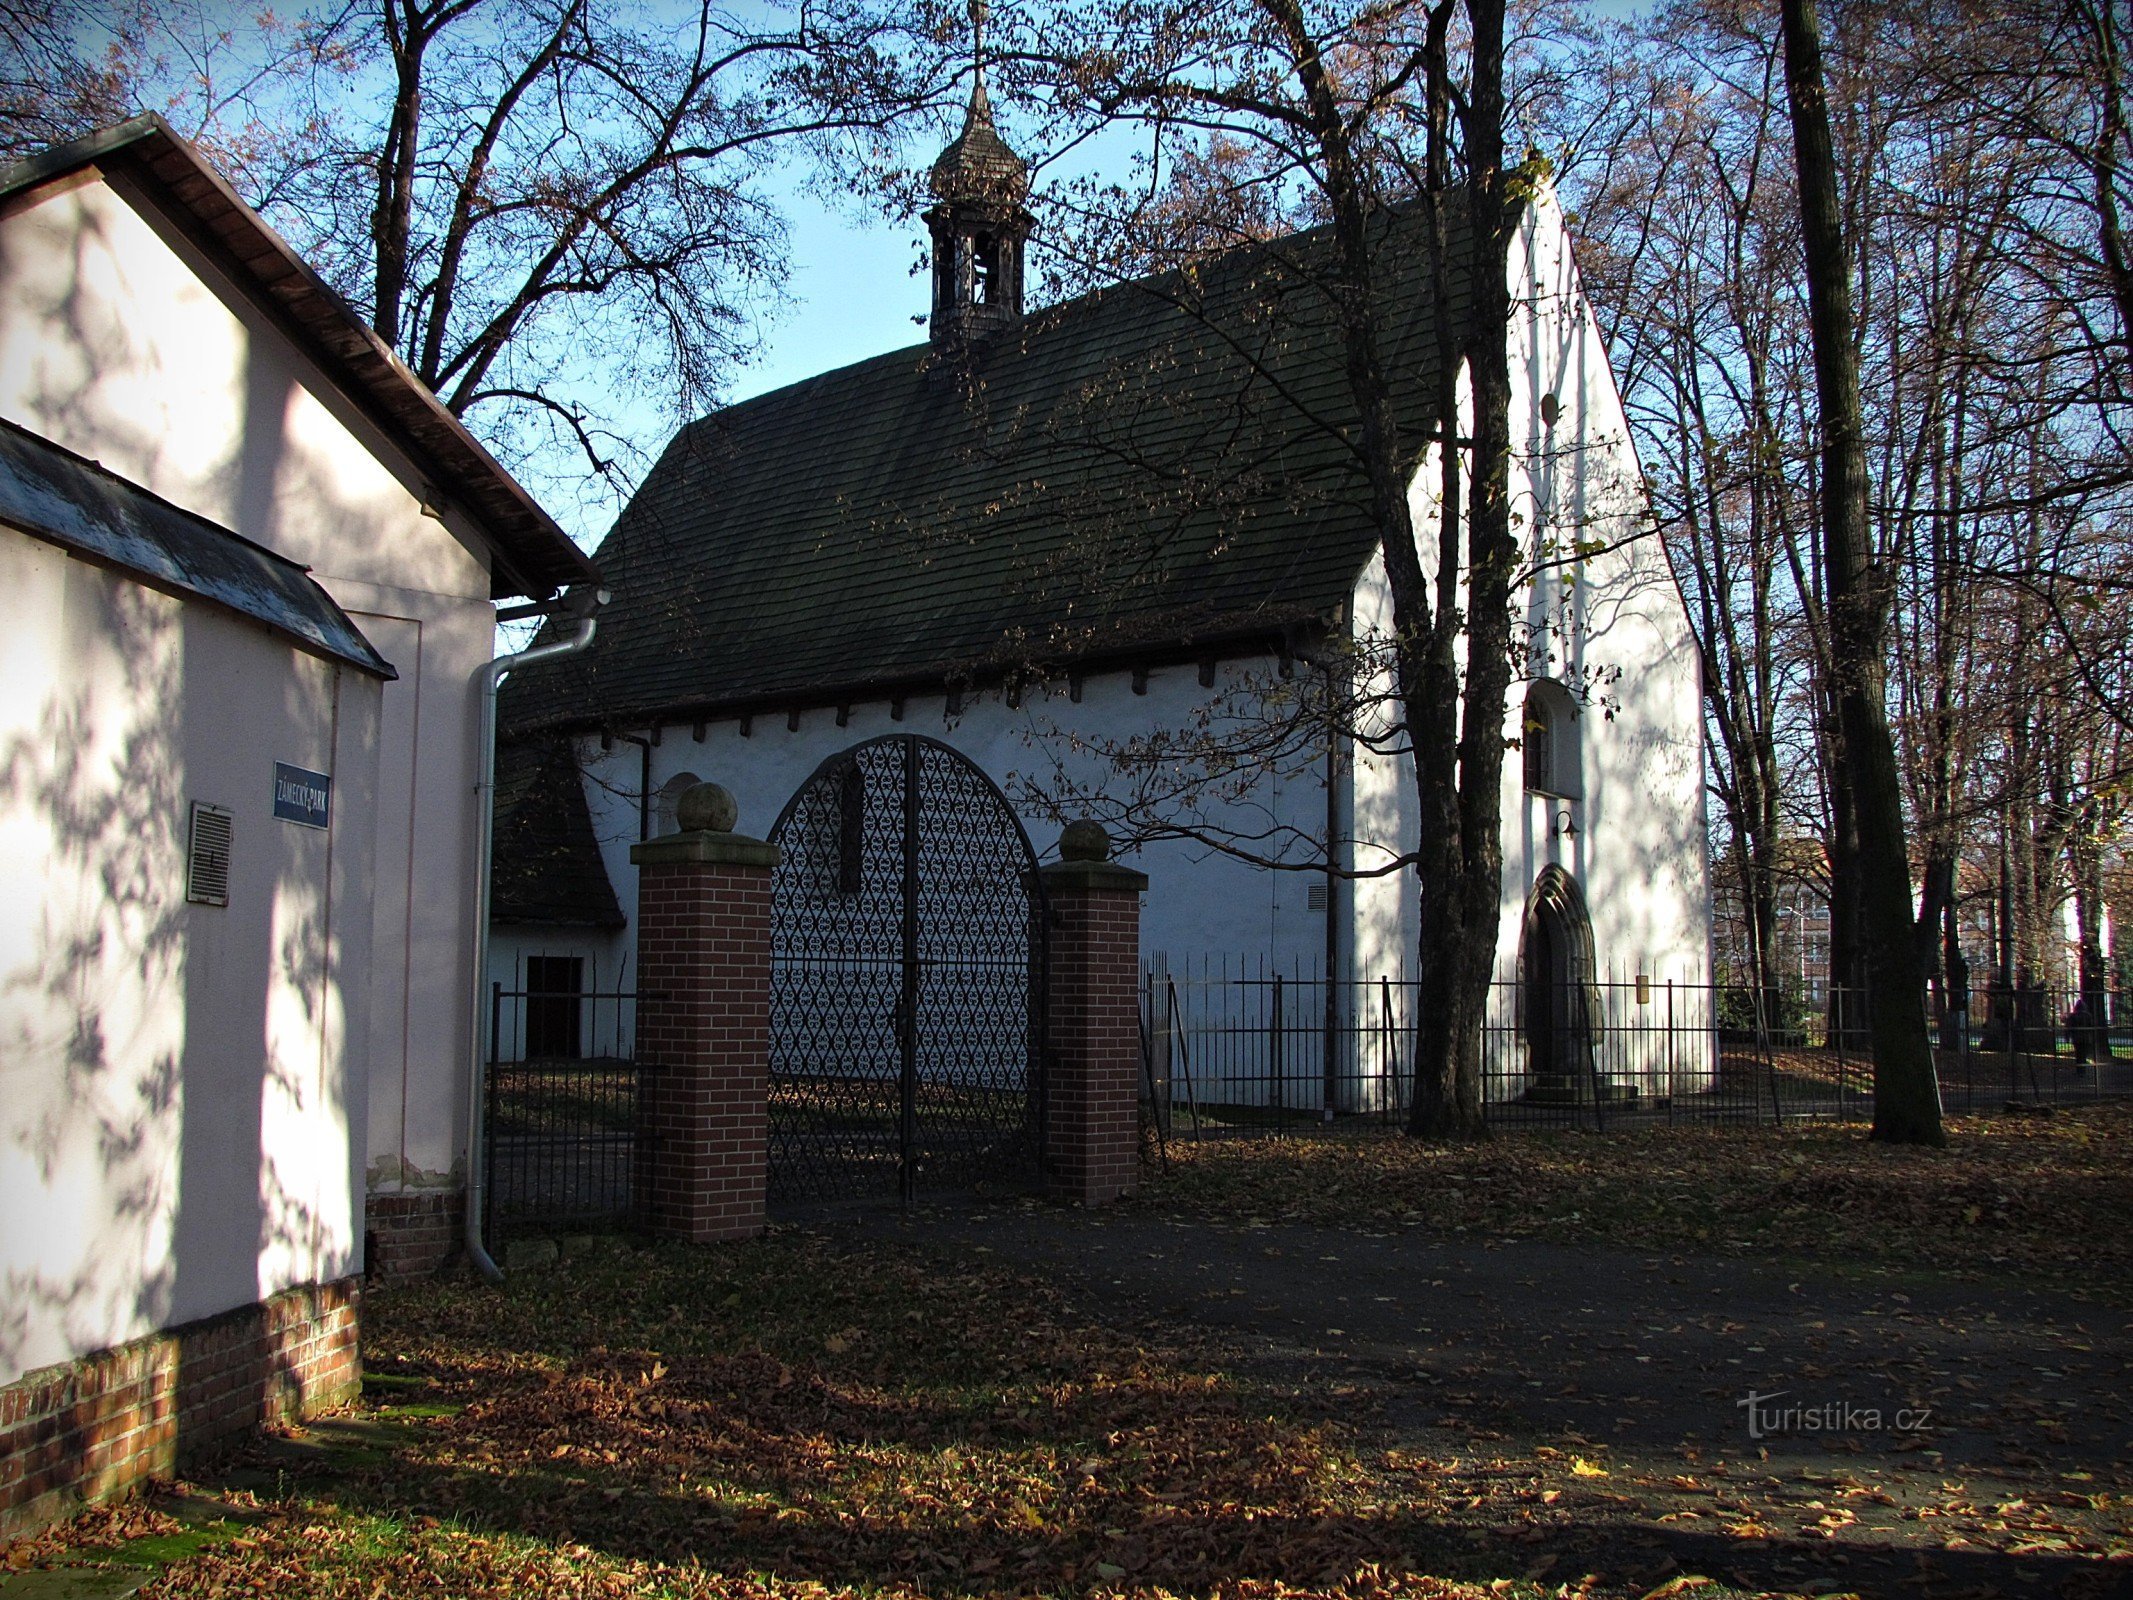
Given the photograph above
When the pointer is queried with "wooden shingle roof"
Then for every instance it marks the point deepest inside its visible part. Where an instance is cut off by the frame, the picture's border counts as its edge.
(548, 865)
(1165, 467)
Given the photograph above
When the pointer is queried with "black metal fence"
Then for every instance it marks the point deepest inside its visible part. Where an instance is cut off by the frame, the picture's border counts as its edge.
(560, 1117)
(1252, 1048)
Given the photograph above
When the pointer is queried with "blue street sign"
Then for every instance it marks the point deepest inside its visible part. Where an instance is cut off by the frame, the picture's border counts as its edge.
(302, 797)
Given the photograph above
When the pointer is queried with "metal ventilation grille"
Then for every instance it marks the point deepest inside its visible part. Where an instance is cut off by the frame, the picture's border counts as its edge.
(1315, 897)
(207, 856)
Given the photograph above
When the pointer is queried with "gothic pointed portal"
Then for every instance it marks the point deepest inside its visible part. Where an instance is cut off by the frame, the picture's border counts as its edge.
(979, 226)
(1560, 1000)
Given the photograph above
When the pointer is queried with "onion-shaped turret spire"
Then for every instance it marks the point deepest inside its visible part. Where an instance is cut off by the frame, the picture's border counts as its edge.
(979, 224)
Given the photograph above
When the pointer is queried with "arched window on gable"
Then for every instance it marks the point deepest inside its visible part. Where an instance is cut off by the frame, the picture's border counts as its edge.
(1549, 740)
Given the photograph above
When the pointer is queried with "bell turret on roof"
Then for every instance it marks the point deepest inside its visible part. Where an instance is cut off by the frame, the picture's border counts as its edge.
(978, 223)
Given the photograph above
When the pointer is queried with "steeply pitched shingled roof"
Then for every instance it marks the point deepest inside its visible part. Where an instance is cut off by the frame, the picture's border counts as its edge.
(1162, 466)
(533, 556)
(548, 866)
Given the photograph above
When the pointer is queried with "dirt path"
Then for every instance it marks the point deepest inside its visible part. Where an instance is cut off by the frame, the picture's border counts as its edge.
(1917, 1438)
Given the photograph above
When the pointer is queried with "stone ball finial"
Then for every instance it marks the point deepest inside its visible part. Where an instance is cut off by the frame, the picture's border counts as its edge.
(707, 808)
(1086, 840)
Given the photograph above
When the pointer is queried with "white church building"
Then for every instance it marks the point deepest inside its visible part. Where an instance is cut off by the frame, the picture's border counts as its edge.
(1103, 549)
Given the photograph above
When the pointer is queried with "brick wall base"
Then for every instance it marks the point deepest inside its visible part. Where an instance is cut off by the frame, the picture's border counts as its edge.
(412, 1233)
(96, 1428)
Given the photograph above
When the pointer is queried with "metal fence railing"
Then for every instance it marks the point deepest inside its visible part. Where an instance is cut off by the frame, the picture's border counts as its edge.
(560, 1116)
(1254, 1048)
(1243, 1047)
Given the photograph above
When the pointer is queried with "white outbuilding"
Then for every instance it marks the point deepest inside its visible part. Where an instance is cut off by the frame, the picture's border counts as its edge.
(251, 565)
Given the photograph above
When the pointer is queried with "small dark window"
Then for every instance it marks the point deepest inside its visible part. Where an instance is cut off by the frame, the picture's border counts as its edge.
(1539, 744)
(984, 269)
(555, 999)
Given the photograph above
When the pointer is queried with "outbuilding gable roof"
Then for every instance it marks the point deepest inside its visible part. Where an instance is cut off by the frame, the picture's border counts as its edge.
(1165, 466)
(532, 556)
(57, 496)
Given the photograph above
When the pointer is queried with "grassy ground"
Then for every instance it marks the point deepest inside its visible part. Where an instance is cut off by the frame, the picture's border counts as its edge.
(2047, 1199)
(797, 1418)
(812, 1416)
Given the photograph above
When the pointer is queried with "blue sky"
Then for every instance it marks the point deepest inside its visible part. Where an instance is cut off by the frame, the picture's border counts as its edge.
(851, 294)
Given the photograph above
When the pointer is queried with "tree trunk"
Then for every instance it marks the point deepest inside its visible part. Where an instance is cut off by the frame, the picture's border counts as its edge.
(1906, 1091)
(2093, 972)
(1846, 965)
(1458, 947)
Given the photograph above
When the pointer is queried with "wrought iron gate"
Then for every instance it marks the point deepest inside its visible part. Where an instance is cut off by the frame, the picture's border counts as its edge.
(907, 977)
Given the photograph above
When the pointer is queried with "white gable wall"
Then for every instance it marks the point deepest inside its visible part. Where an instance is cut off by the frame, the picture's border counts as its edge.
(1639, 850)
(120, 342)
(179, 1084)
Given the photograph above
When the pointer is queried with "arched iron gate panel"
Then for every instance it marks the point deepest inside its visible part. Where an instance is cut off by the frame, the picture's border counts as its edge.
(907, 977)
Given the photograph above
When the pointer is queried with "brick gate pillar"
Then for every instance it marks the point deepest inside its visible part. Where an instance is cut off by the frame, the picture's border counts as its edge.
(1092, 1130)
(703, 1023)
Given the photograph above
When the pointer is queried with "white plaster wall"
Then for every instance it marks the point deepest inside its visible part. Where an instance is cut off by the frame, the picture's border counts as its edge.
(607, 1026)
(180, 1085)
(120, 342)
(1199, 904)
(1387, 909)
(1208, 918)
(1639, 852)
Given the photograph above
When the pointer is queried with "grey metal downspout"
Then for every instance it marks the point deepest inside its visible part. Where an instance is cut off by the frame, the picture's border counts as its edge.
(490, 678)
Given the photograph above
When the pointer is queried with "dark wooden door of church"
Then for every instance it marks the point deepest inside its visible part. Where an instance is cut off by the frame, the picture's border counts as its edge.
(907, 982)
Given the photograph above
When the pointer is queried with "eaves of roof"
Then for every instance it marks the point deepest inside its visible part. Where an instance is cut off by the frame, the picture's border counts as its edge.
(531, 555)
(1285, 636)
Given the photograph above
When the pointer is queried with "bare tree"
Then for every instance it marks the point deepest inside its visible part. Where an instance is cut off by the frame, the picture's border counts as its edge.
(1973, 168)
(553, 209)
(1906, 1093)
(1689, 239)
(1337, 115)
